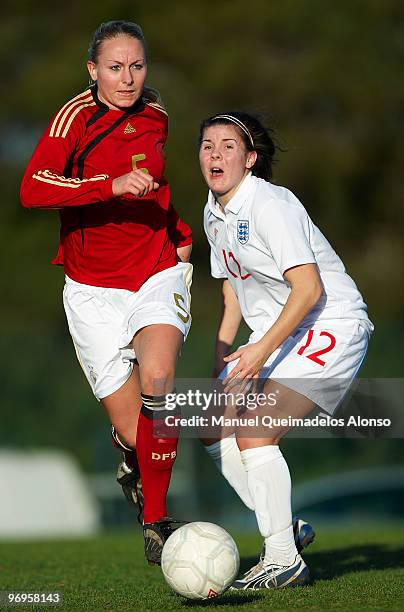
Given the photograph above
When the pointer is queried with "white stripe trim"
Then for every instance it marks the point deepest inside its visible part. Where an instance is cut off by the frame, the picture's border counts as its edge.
(157, 106)
(81, 96)
(80, 104)
(69, 179)
(73, 116)
(60, 181)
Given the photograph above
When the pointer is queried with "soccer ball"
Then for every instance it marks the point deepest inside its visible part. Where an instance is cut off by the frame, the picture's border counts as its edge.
(200, 560)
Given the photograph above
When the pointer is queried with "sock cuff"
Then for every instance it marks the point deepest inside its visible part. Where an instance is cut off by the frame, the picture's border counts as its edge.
(155, 406)
(254, 457)
(154, 402)
(222, 447)
(281, 547)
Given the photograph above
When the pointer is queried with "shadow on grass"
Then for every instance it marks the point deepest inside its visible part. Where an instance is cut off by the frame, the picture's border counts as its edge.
(230, 598)
(360, 558)
(326, 565)
(323, 566)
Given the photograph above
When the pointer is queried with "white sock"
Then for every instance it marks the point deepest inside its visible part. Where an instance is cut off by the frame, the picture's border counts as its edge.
(270, 489)
(226, 454)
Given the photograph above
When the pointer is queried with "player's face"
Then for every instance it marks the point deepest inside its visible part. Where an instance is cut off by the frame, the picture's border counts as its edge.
(120, 71)
(224, 160)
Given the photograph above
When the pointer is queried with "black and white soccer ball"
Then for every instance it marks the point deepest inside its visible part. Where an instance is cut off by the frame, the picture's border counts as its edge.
(200, 560)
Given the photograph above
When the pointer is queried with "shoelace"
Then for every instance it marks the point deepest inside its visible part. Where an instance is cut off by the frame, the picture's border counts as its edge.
(254, 570)
(272, 572)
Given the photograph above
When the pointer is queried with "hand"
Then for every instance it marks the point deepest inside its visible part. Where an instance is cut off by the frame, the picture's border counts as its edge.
(136, 183)
(251, 359)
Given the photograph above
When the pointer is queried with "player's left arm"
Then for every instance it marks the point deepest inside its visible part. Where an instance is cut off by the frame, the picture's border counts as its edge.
(184, 253)
(180, 234)
(306, 290)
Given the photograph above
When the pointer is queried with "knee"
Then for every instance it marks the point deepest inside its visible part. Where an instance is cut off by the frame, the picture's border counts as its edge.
(157, 379)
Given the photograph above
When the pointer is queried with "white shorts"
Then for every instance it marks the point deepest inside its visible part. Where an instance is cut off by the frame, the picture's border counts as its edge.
(320, 362)
(103, 321)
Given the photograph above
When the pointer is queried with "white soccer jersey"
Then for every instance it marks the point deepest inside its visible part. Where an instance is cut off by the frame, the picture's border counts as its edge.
(264, 231)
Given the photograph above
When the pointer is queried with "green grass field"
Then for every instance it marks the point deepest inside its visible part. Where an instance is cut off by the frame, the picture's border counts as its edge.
(351, 571)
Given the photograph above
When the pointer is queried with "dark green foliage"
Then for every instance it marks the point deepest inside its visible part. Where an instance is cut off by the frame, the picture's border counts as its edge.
(328, 78)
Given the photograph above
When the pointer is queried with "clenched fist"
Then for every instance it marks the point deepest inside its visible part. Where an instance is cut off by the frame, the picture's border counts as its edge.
(136, 182)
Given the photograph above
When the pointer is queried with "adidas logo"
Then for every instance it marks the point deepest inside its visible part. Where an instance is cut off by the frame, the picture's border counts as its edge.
(129, 129)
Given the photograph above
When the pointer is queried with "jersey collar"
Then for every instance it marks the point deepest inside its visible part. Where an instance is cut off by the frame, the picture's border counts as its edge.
(236, 201)
(135, 108)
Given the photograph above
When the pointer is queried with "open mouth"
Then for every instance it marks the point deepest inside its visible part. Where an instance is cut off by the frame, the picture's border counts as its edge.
(216, 171)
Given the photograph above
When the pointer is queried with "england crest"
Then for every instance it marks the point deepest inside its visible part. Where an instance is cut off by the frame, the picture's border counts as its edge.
(243, 231)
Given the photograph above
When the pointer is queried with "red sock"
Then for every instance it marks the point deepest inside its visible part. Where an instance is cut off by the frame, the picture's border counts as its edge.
(156, 456)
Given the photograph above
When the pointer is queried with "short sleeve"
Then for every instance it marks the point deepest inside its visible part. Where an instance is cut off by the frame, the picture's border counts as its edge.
(217, 269)
(285, 229)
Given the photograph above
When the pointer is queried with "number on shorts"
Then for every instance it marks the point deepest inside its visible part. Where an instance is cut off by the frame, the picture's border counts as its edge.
(315, 355)
(183, 314)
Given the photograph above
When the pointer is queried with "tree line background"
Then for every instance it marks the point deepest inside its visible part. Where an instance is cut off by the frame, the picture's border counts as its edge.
(326, 76)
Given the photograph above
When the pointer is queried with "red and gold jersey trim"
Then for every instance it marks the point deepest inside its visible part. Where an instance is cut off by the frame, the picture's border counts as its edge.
(63, 120)
(157, 106)
(61, 181)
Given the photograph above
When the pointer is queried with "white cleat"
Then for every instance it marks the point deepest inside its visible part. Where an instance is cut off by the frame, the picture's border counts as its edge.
(270, 575)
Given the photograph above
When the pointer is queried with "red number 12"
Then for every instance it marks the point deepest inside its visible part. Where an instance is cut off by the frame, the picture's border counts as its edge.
(315, 355)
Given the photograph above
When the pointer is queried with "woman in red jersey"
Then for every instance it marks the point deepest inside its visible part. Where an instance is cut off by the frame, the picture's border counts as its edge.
(125, 253)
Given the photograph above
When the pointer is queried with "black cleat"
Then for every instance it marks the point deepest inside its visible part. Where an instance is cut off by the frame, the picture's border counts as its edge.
(155, 536)
(128, 476)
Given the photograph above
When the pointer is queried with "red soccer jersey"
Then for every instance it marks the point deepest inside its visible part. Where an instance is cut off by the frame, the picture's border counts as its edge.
(106, 241)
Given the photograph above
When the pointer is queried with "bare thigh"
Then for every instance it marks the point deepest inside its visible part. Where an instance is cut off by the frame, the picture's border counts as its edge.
(157, 348)
(289, 403)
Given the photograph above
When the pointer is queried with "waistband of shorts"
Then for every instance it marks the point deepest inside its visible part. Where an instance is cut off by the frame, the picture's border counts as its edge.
(94, 289)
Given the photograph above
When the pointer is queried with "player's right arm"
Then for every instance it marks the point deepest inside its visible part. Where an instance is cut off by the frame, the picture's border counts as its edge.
(45, 184)
(231, 313)
(228, 327)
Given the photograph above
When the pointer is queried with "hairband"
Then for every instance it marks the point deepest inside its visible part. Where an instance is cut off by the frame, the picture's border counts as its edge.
(239, 123)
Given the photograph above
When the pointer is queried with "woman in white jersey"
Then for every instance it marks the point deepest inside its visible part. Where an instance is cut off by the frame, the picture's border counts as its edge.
(309, 325)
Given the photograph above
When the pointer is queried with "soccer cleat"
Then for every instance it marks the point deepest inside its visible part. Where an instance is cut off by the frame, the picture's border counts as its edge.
(155, 536)
(270, 575)
(128, 475)
(303, 532)
(129, 478)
